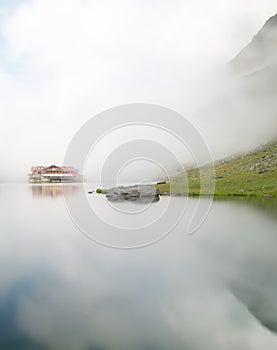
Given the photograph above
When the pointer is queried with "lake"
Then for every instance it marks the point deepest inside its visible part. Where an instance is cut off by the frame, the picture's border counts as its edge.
(61, 289)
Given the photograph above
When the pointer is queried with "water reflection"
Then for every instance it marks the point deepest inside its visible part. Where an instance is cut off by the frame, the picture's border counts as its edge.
(213, 290)
(267, 205)
(135, 200)
(53, 190)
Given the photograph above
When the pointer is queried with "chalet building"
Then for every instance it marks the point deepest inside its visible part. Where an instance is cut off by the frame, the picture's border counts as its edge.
(37, 169)
(53, 173)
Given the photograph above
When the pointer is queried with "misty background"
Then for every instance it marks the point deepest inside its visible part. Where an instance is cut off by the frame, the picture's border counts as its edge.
(62, 62)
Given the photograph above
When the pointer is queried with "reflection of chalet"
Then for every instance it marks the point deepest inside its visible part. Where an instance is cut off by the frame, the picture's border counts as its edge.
(53, 190)
(53, 173)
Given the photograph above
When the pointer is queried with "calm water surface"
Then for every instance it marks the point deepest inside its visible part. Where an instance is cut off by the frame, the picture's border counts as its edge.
(216, 289)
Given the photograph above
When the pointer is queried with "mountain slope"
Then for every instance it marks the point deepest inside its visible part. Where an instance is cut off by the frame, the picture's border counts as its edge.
(244, 114)
(243, 111)
(260, 53)
(251, 174)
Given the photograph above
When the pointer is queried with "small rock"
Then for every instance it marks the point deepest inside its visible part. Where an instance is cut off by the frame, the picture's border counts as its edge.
(145, 193)
(263, 171)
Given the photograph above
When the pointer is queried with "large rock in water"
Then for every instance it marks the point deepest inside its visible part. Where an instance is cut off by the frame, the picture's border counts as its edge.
(140, 193)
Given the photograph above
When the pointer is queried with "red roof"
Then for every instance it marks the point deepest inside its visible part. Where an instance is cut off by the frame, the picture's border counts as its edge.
(43, 168)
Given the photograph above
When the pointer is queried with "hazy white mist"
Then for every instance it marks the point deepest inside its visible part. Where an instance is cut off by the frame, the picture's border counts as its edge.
(61, 62)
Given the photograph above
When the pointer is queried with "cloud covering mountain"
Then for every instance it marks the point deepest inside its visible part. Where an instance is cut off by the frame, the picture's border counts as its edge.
(63, 62)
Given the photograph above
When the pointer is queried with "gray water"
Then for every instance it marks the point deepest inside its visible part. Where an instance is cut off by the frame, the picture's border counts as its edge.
(215, 289)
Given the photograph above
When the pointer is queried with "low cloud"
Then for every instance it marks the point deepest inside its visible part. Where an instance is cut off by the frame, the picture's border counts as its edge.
(64, 61)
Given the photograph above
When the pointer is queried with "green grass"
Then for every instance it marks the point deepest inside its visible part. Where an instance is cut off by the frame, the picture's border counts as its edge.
(253, 174)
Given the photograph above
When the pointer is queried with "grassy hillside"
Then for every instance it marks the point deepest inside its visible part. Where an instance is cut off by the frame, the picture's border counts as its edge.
(251, 174)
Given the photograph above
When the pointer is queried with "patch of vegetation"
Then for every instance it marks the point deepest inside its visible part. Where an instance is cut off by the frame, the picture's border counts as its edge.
(99, 190)
(253, 174)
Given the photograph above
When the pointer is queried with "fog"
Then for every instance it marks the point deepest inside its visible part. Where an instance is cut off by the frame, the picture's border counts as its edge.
(62, 62)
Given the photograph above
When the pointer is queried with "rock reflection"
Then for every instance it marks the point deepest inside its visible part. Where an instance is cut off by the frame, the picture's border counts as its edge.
(139, 200)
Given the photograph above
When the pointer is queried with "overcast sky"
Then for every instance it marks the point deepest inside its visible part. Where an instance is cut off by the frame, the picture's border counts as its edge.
(61, 62)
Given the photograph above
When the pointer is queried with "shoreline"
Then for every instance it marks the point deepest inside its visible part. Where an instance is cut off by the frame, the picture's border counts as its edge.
(182, 193)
